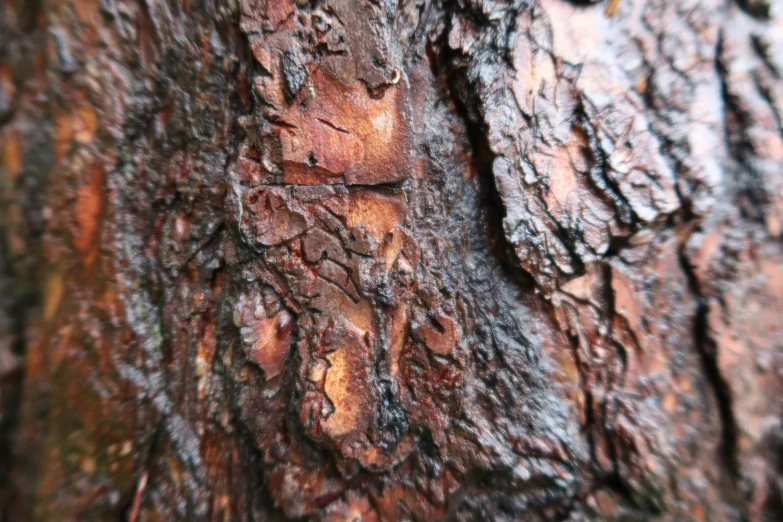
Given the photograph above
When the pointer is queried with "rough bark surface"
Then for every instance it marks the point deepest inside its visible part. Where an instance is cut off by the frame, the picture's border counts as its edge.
(391, 260)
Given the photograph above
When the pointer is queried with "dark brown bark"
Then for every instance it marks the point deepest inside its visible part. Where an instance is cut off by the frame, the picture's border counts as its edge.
(391, 260)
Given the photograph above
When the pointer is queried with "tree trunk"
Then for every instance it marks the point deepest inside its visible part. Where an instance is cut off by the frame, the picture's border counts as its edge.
(391, 260)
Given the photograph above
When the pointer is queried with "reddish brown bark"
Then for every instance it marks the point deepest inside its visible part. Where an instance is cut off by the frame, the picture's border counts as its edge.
(378, 260)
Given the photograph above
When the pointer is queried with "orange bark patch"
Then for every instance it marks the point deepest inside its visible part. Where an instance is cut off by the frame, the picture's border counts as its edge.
(272, 343)
(567, 165)
(88, 208)
(342, 133)
(346, 386)
(12, 154)
(563, 181)
(85, 123)
(63, 131)
(626, 304)
(53, 294)
(395, 241)
(389, 500)
(378, 212)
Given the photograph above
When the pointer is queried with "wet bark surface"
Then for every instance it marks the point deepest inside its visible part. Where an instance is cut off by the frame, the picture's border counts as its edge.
(391, 260)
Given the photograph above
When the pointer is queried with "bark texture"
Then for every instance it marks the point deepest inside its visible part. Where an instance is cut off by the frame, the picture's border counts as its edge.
(390, 260)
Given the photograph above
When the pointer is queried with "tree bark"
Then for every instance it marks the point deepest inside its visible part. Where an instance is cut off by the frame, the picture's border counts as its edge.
(391, 260)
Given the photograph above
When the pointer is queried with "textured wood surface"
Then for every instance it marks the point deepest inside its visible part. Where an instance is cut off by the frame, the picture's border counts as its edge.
(388, 260)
